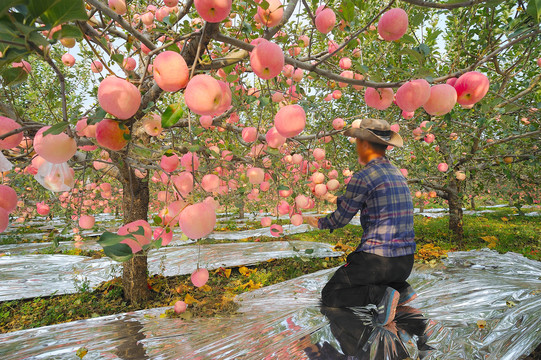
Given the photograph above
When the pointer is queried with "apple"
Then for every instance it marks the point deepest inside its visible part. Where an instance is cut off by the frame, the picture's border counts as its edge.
(267, 60)
(119, 97)
(112, 135)
(379, 99)
(393, 24)
(471, 87)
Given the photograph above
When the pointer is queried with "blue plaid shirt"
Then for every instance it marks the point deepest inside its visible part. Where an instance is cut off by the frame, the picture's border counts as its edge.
(382, 195)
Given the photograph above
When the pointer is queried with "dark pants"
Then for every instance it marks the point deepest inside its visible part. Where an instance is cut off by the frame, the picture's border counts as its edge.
(364, 279)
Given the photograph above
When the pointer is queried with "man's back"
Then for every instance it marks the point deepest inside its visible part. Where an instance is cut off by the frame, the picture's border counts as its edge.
(381, 193)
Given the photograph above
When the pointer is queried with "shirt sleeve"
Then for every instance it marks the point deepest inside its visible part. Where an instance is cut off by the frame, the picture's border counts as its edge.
(346, 206)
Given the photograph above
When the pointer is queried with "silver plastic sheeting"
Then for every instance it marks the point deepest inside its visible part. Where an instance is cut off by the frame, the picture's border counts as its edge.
(244, 234)
(285, 321)
(25, 276)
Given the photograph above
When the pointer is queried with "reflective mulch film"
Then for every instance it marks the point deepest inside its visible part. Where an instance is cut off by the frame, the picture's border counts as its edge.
(476, 305)
(25, 276)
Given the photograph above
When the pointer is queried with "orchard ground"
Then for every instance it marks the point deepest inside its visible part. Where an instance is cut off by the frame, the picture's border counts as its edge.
(502, 230)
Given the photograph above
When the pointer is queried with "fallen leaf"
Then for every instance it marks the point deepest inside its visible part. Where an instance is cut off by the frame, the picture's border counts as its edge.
(481, 324)
(189, 299)
(81, 352)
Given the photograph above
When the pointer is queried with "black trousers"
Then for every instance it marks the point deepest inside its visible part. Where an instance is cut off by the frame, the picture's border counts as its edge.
(364, 279)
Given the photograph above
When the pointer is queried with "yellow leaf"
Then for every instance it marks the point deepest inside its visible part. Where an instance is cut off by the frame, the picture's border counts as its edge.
(227, 273)
(205, 288)
(481, 324)
(510, 303)
(245, 271)
(81, 352)
(505, 219)
(189, 299)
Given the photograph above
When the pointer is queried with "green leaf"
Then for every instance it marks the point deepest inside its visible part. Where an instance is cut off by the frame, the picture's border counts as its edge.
(6, 5)
(56, 128)
(118, 58)
(68, 31)
(264, 5)
(109, 238)
(14, 76)
(309, 251)
(118, 252)
(534, 9)
(231, 78)
(348, 10)
(283, 187)
(97, 117)
(55, 12)
(171, 115)
(414, 54)
(157, 220)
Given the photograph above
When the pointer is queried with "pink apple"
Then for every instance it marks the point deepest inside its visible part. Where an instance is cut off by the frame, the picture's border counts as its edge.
(290, 120)
(111, 135)
(451, 81)
(140, 240)
(4, 220)
(129, 64)
(296, 219)
(345, 63)
(169, 163)
(55, 149)
(147, 18)
(7, 125)
(429, 138)
(338, 124)
(404, 172)
(325, 21)
(96, 66)
(225, 102)
(274, 139)
(119, 97)
(255, 175)
(213, 11)
(170, 71)
(320, 189)
(83, 129)
(68, 59)
(197, 220)
(203, 95)
(413, 94)
(379, 99)
(200, 277)
(267, 60)
(210, 182)
(272, 15)
(249, 134)
(118, 6)
(443, 167)
(180, 306)
(266, 221)
(319, 154)
(393, 24)
(152, 125)
(471, 87)
(276, 230)
(23, 64)
(8, 198)
(42, 208)
(332, 184)
(441, 101)
(165, 234)
(460, 175)
(87, 221)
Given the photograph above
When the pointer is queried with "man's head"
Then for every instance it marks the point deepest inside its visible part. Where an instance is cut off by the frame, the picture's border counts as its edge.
(367, 150)
(376, 131)
(372, 138)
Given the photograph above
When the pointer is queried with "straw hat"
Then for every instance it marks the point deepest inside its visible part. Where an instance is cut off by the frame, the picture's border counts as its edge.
(376, 131)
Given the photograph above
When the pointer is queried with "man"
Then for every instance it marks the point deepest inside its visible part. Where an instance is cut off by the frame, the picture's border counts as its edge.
(376, 272)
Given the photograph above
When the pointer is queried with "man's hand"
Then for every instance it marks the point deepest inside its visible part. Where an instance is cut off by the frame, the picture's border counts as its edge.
(330, 198)
(311, 220)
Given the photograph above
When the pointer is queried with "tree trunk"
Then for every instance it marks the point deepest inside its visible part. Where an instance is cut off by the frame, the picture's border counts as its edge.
(135, 206)
(472, 202)
(135, 199)
(240, 206)
(455, 213)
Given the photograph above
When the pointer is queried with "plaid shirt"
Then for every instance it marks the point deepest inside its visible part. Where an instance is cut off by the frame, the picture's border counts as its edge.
(380, 191)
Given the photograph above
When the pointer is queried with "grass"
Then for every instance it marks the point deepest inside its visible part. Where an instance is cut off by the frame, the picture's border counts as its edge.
(497, 230)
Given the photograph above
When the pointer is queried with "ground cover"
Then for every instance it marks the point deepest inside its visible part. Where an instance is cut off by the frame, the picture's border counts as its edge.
(499, 230)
